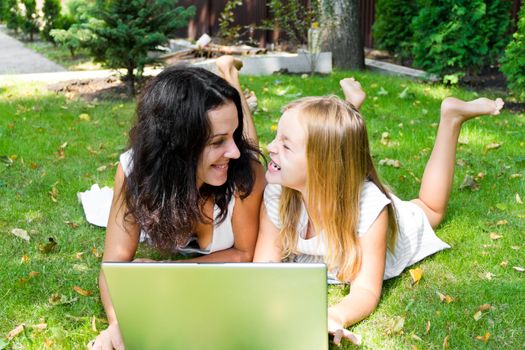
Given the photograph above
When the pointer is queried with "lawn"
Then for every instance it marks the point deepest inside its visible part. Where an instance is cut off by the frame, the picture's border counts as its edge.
(51, 148)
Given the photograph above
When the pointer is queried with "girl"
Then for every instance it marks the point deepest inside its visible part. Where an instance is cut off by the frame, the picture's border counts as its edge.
(325, 202)
(190, 180)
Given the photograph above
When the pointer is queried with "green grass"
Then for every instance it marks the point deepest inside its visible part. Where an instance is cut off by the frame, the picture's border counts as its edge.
(62, 56)
(35, 123)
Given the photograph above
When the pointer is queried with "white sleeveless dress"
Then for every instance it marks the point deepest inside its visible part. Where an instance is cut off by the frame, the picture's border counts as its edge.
(222, 235)
(415, 240)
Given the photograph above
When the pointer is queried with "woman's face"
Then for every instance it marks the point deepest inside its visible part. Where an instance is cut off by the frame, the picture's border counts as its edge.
(212, 167)
(288, 153)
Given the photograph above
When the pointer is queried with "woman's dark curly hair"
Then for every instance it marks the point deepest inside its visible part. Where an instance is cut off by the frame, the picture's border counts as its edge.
(170, 133)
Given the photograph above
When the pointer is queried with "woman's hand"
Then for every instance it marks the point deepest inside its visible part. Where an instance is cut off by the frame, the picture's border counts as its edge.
(108, 339)
(337, 329)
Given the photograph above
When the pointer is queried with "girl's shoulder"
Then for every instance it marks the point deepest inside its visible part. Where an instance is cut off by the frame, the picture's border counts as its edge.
(371, 203)
(272, 196)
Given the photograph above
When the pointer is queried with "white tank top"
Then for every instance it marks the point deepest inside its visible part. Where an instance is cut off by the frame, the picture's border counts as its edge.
(222, 234)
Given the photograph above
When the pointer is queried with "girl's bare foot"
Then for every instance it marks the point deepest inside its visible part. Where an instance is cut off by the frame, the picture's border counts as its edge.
(353, 92)
(458, 111)
(228, 65)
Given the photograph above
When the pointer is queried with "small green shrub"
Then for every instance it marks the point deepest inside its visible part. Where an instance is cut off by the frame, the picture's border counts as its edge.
(228, 32)
(457, 37)
(51, 10)
(392, 30)
(13, 17)
(30, 19)
(513, 62)
(292, 19)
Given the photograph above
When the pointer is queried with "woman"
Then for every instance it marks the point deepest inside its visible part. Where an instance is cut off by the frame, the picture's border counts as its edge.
(190, 181)
(325, 202)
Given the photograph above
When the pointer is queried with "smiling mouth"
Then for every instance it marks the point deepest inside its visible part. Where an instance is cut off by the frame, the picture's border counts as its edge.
(274, 165)
(220, 166)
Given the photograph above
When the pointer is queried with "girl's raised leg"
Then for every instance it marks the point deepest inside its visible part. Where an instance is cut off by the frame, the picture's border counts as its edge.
(436, 183)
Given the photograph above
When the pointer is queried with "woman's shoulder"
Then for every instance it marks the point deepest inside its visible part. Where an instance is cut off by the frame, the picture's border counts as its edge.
(371, 203)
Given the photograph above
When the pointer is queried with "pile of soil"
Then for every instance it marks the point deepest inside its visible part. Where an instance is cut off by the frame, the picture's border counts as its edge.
(98, 89)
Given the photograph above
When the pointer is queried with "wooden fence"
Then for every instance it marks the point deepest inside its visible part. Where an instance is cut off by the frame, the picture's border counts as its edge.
(254, 12)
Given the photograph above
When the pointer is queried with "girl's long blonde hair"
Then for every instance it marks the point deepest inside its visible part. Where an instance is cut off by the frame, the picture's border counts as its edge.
(338, 163)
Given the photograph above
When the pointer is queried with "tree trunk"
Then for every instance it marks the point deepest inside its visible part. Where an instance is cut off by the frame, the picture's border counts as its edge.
(342, 19)
(130, 82)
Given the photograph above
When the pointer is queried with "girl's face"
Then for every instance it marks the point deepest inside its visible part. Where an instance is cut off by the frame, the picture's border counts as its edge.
(212, 167)
(288, 153)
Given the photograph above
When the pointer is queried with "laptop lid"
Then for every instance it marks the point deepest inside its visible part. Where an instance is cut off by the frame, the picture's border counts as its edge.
(256, 306)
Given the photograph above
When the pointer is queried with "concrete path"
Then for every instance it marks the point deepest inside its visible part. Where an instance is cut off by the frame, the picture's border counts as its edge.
(17, 59)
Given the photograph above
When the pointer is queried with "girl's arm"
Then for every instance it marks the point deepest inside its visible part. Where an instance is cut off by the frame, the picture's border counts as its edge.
(365, 288)
(268, 248)
(120, 245)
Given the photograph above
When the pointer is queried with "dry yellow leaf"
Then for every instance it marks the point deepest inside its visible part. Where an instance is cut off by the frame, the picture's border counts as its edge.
(415, 337)
(445, 342)
(84, 117)
(518, 199)
(33, 274)
(95, 252)
(25, 259)
(94, 324)
(485, 307)
(493, 145)
(79, 255)
(502, 222)
(48, 342)
(40, 326)
(21, 234)
(484, 338)
(428, 327)
(478, 315)
(81, 291)
(416, 274)
(514, 176)
(16, 331)
(446, 298)
(504, 263)
(495, 236)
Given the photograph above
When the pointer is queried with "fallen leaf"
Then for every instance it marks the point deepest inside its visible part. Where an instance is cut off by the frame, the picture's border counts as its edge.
(390, 162)
(95, 252)
(396, 325)
(54, 192)
(79, 255)
(25, 259)
(484, 338)
(484, 307)
(33, 165)
(495, 236)
(16, 331)
(514, 176)
(94, 324)
(504, 263)
(102, 168)
(81, 291)
(493, 145)
(59, 299)
(427, 329)
(515, 247)
(519, 268)
(49, 246)
(518, 199)
(382, 92)
(478, 315)
(40, 326)
(71, 224)
(470, 183)
(48, 342)
(21, 233)
(416, 274)
(415, 337)
(445, 342)
(446, 298)
(84, 117)
(33, 274)
(488, 276)
(502, 223)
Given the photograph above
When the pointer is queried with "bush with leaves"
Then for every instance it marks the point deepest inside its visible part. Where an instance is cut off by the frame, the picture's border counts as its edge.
(513, 62)
(228, 32)
(391, 29)
(51, 11)
(3, 10)
(13, 16)
(30, 19)
(292, 19)
(458, 37)
(130, 30)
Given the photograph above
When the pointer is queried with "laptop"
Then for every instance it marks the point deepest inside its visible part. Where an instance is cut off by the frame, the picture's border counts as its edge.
(216, 306)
